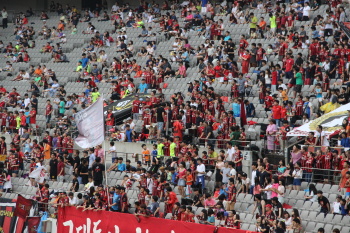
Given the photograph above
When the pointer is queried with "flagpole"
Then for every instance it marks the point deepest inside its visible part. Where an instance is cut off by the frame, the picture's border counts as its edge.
(105, 155)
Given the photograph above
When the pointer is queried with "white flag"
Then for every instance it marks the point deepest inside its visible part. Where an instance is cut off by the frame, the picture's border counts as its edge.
(38, 174)
(90, 125)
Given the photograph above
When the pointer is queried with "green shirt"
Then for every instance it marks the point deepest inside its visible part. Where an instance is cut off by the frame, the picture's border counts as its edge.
(235, 137)
(62, 109)
(18, 122)
(160, 152)
(94, 96)
(253, 22)
(172, 149)
(273, 22)
(213, 155)
(298, 79)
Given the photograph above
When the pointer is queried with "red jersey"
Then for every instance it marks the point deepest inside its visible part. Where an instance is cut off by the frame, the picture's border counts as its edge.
(136, 106)
(328, 159)
(276, 112)
(309, 164)
(289, 64)
(320, 160)
(33, 117)
(260, 54)
(243, 44)
(299, 108)
(268, 101)
(48, 110)
(282, 49)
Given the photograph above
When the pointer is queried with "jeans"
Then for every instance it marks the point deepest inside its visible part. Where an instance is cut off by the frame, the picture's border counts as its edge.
(200, 179)
(80, 180)
(308, 176)
(251, 189)
(278, 122)
(135, 116)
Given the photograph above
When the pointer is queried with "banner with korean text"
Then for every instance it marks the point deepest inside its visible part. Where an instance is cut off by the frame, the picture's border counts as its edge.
(90, 125)
(72, 220)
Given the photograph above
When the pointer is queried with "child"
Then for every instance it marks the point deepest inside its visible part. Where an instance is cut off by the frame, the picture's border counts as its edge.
(75, 186)
(146, 155)
(189, 182)
(154, 151)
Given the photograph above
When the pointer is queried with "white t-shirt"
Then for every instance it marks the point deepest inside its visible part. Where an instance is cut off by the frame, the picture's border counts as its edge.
(322, 134)
(200, 168)
(230, 153)
(336, 207)
(306, 11)
(233, 172)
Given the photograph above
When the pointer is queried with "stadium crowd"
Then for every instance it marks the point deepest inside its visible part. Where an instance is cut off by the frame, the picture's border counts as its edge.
(172, 176)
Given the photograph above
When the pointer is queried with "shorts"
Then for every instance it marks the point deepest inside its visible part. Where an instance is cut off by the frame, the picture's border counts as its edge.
(181, 182)
(297, 88)
(1, 187)
(48, 119)
(160, 125)
(347, 194)
(14, 171)
(290, 85)
(297, 182)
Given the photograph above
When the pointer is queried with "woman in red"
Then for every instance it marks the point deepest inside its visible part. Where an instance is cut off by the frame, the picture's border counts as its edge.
(320, 161)
(245, 62)
(328, 161)
(171, 199)
(309, 164)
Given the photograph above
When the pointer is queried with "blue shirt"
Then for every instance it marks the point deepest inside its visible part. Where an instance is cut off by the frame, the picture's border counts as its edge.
(128, 134)
(185, 54)
(116, 199)
(345, 142)
(143, 87)
(227, 38)
(204, 3)
(121, 167)
(236, 109)
(84, 61)
(173, 178)
(27, 117)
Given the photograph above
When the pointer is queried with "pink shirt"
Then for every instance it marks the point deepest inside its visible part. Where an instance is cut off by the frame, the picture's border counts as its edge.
(101, 154)
(182, 70)
(275, 186)
(212, 202)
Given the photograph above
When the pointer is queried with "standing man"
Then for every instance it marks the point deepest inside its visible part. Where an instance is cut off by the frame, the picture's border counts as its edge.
(200, 173)
(4, 16)
(98, 170)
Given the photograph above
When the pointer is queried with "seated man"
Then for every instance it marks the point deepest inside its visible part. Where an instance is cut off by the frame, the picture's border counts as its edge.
(23, 75)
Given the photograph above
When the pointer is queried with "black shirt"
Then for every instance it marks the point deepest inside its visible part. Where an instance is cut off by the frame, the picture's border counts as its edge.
(196, 199)
(76, 161)
(276, 209)
(76, 183)
(343, 96)
(98, 170)
(160, 112)
(53, 168)
(34, 104)
(323, 201)
(83, 169)
(262, 177)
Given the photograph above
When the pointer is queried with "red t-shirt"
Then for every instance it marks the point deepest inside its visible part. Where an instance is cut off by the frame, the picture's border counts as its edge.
(60, 166)
(289, 64)
(33, 117)
(136, 106)
(276, 112)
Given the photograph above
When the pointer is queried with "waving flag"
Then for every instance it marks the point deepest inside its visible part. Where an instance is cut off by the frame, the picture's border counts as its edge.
(90, 125)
